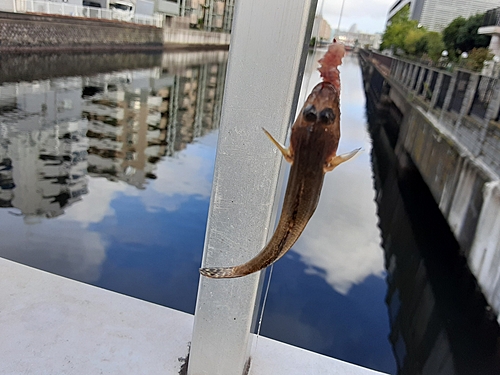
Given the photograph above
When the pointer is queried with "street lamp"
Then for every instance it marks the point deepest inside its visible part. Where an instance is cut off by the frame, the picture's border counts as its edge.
(463, 58)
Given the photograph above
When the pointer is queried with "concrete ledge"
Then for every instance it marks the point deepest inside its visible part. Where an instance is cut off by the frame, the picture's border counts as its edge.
(272, 357)
(53, 325)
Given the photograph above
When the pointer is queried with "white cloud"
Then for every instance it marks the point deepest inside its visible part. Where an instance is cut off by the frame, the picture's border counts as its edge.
(342, 240)
(187, 174)
(96, 203)
(69, 249)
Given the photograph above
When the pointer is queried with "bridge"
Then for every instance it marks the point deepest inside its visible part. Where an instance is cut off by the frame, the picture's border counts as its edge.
(447, 126)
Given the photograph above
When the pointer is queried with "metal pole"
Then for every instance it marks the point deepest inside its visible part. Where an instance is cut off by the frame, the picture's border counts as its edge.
(269, 45)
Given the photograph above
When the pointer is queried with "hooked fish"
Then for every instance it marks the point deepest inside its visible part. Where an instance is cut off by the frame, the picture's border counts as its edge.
(312, 152)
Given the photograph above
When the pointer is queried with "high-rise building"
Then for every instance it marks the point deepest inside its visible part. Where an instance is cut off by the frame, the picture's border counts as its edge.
(435, 15)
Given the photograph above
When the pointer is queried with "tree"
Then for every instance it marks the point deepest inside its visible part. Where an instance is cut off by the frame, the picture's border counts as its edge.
(397, 30)
(461, 35)
(415, 42)
(435, 45)
(450, 35)
(468, 38)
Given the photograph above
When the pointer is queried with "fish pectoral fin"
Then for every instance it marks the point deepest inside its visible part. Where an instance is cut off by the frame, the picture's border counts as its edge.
(287, 154)
(339, 159)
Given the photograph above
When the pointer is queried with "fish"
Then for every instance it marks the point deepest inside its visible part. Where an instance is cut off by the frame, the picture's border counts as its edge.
(312, 153)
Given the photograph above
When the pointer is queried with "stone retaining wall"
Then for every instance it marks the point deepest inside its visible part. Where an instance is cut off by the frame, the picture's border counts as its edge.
(465, 187)
(32, 32)
(173, 36)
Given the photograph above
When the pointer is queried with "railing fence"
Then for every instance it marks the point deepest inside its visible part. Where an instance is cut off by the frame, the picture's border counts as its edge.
(466, 103)
(64, 9)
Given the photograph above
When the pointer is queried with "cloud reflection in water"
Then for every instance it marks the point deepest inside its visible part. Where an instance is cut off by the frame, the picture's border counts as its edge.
(187, 174)
(342, 241)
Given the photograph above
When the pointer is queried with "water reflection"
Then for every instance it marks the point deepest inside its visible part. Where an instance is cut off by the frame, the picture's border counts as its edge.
(327, 294)
(117, 125)
(440, 321)
(43, 149)
(112, 173)
(342, 242)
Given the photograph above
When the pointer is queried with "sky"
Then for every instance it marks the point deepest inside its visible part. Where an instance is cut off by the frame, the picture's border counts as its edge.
(369, 16)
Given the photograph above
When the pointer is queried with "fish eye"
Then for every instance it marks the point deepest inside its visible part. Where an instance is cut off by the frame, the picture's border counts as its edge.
(327, 116)
(309, 113)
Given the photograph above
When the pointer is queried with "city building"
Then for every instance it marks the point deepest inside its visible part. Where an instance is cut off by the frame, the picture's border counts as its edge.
(209, 15)
(322, 30)
(435, 15)
(353, 38)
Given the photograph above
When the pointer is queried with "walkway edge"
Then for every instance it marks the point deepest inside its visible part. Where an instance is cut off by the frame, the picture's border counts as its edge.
(54, 325)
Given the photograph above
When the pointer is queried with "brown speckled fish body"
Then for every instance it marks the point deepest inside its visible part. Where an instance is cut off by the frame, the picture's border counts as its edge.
(312, 152)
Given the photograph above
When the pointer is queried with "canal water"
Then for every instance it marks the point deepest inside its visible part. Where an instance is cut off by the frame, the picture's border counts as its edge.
(106, 166)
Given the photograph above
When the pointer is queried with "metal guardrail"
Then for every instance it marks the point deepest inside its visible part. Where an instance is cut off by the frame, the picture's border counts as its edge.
(466, 103)
(64, 9)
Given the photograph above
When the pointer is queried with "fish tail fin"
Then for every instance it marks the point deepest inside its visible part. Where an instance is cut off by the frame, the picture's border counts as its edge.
(219, 272)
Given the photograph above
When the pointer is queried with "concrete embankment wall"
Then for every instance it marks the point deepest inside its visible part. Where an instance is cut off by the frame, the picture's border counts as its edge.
(185, 37)
(33, 32)
(463, 181)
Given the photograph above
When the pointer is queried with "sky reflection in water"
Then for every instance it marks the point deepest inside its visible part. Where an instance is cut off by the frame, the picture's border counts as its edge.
(106, 179)
(334, 275)
(113, 189)
(143, 243)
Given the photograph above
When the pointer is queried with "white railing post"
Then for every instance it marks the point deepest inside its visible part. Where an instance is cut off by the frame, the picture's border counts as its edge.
(269, 45)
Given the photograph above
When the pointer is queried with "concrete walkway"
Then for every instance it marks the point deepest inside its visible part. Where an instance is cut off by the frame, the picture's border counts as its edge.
(53, 325)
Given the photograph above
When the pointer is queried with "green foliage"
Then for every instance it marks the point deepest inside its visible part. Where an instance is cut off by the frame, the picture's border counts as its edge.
(434, 45)
(403, 35)
(450, 35)
(468, 38)
(312, 42)
(398, 29)
(415, 42)
(461, 35)
(477, 57)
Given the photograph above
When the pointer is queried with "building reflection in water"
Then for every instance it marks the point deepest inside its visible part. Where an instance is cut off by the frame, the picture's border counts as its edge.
(440, 321)
(116, 125)
(43, 148)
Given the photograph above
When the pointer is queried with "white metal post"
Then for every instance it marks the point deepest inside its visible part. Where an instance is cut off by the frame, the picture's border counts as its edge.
(268, 49)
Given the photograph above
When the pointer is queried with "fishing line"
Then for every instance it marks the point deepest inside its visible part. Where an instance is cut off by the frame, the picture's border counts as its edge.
(259, 325)
(265, 300)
